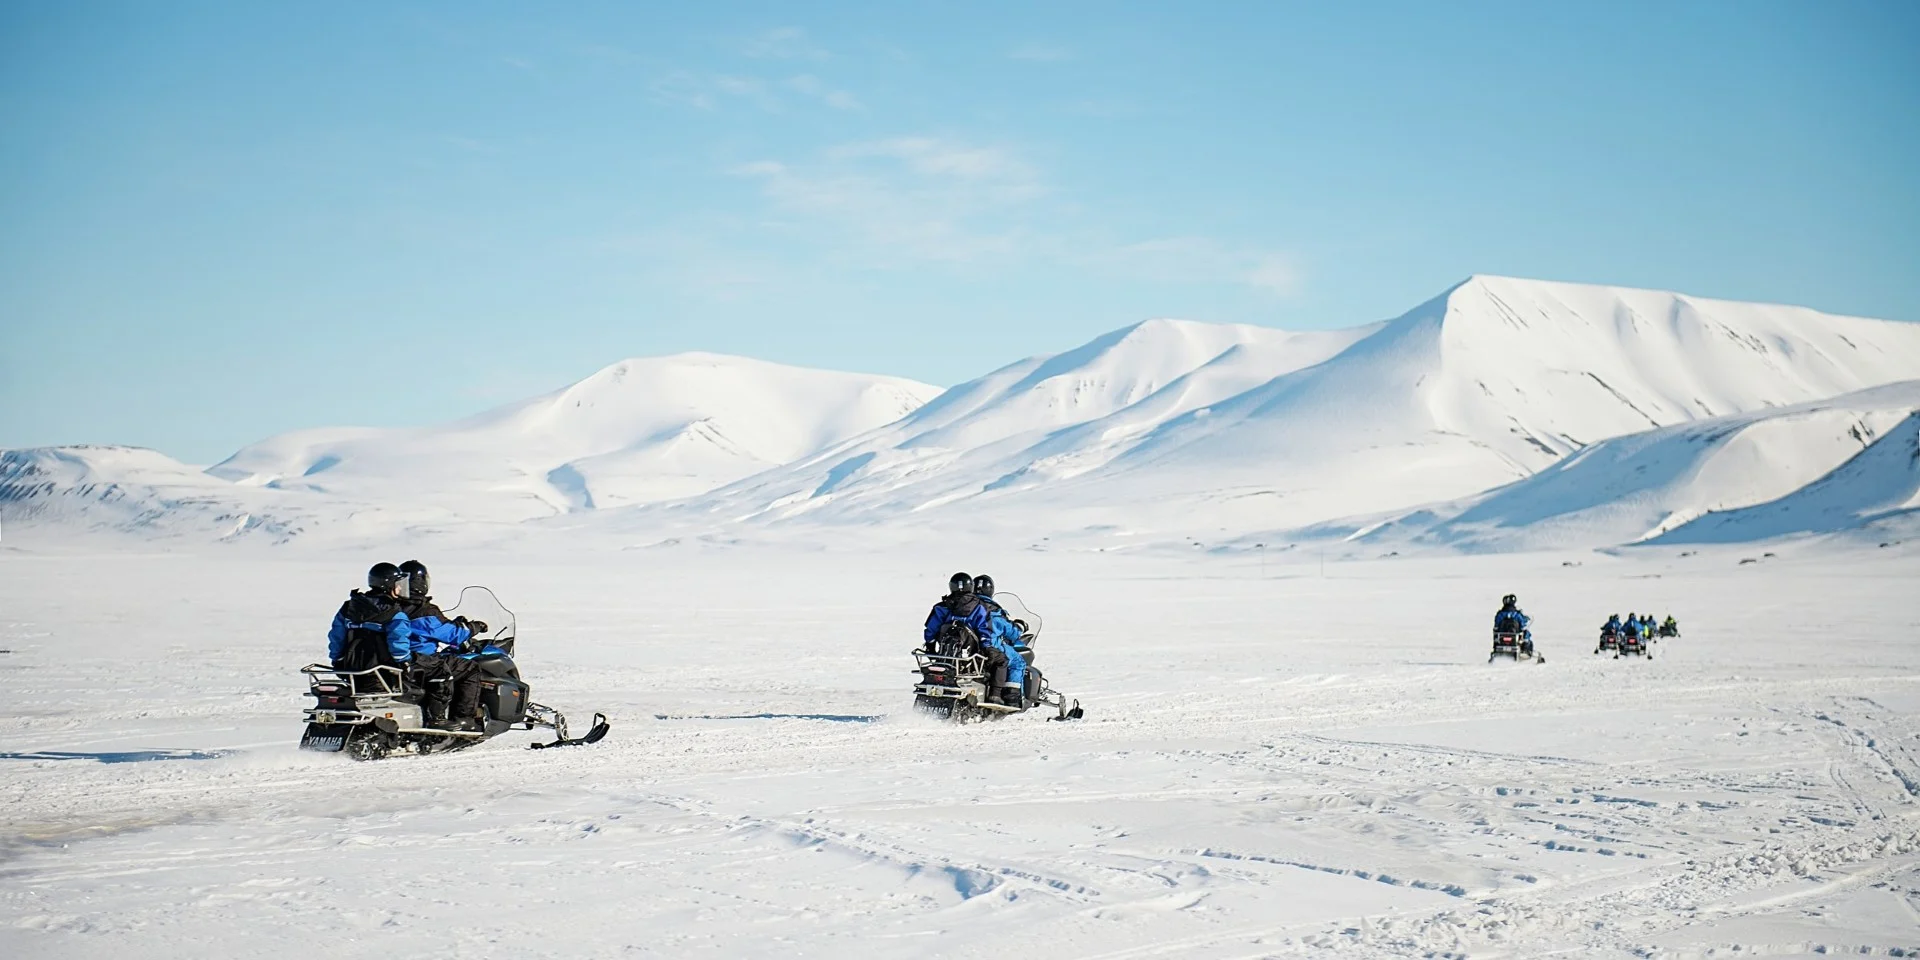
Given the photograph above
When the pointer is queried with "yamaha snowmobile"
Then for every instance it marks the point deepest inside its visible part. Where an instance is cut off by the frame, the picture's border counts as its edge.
(1633, 644)
(377, 712)
(1515, 644)
(1609, 640)
(955, 677)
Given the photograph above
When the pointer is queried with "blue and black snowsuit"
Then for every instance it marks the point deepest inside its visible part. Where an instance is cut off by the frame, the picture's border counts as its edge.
(1613, 626)
(1511, 620)
(1006, 638)
(993, 630)
(436, 651)
(1633, 626)
(364, 614)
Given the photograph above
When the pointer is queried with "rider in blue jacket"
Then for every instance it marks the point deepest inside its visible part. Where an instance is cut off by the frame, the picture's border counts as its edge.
(1613, 626)
(452, 681)
(379, 609)
(961, 604)
(1632, 625)
(1006, 639)
(1510, 620)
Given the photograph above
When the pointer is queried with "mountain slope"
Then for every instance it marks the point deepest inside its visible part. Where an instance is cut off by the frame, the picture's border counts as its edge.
(1036, 421)
(1491, 381)
(131, 489)
(639, 430)
(1675, 482)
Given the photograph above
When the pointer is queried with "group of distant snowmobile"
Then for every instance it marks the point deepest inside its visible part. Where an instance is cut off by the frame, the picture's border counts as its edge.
(1512, 638)
(403, 676)
(1632, 636)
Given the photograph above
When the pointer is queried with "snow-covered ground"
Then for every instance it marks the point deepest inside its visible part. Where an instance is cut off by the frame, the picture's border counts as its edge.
(1283, 762)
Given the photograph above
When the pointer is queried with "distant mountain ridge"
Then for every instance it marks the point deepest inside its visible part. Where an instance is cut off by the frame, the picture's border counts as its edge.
(640, 429)
(1162, 431)
(1491, 381)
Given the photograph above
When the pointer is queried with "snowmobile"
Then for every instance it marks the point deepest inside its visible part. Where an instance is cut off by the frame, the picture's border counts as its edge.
(1671, 628)
(376, 712)
(1633, 644)
(954, 675)
(1515, 644)
(1609, 640)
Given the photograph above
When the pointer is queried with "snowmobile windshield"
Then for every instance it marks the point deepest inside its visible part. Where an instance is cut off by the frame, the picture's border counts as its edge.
(479, 603)
(1017, 609)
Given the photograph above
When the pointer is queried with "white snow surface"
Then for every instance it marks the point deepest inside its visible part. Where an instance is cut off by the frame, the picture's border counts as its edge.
(1277, 762)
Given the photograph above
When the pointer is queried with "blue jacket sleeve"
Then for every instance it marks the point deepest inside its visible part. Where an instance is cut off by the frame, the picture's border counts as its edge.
(429, 633)
(337, 637)
(1004, 629)
(400, 638)
(935, 621)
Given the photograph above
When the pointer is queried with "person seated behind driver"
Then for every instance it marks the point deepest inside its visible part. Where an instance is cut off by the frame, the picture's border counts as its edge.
(1633, 625)
(1510, 620)
(378, 610)
(1612, 627)
(960, 604)
(1005, 639)
(453, 698)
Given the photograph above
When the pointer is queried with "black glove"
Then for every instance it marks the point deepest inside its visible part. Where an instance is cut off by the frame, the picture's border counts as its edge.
(476, 627)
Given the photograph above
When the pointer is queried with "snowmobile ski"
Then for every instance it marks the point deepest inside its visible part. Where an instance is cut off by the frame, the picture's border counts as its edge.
(593, 735)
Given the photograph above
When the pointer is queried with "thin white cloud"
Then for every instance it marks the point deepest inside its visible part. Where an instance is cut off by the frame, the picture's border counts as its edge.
(1204, 260)
(936, 199)
(808, 85)
(782, 43)
(1040, 53)
(712, 91)
(919, 197)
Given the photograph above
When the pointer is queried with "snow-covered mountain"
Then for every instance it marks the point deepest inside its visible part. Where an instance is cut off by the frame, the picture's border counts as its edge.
(106, 488)
(1817, 467)
(1192, 429)
(1041, 420)
(637, 431)
(1164, 431)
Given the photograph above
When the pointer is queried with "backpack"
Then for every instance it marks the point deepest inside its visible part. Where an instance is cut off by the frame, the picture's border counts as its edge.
(367, 618)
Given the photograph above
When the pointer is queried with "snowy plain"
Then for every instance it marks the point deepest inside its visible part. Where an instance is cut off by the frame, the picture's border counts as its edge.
(1279, 759)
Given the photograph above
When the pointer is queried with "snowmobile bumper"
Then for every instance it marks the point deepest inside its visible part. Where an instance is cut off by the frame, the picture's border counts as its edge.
(326, 737)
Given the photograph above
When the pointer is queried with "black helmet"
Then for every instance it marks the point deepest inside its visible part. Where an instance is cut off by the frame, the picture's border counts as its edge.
(959, 583)
(983, 585)
(417, 581)
(382, 577)
(1509, 600)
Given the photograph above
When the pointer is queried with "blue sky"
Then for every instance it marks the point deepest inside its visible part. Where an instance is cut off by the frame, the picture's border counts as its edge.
(220, 221)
